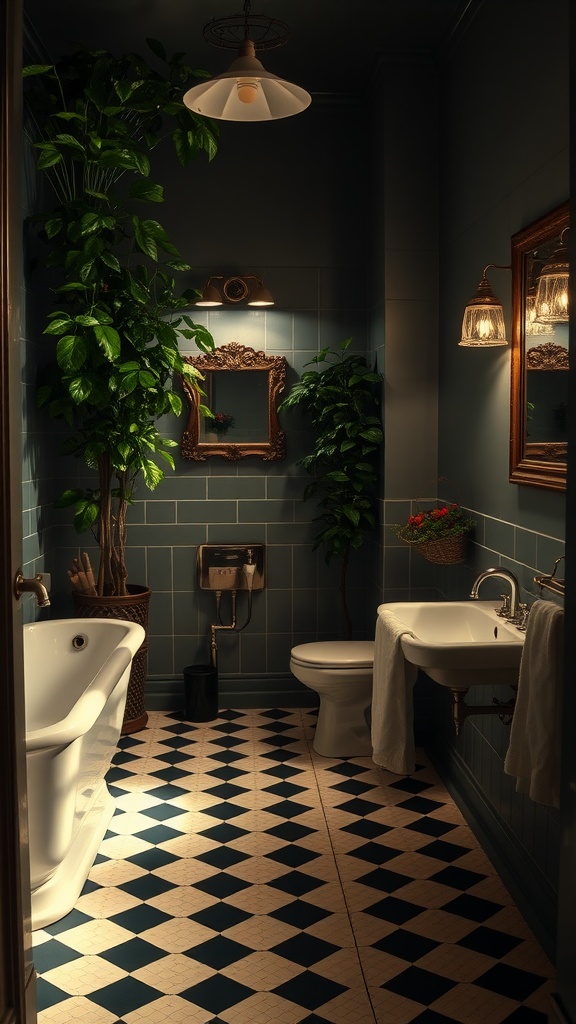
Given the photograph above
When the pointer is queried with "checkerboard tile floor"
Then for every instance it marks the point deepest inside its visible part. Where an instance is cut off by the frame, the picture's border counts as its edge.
(245, 879)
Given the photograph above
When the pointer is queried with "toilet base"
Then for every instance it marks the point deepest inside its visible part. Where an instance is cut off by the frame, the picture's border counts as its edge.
(342, 731)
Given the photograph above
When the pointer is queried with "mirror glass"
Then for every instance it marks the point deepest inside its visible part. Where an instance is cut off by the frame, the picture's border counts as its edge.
(241, 388)
(539, 395)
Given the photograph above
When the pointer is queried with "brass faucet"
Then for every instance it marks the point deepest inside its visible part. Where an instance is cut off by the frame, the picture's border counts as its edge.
(509, 609)
(34, 586)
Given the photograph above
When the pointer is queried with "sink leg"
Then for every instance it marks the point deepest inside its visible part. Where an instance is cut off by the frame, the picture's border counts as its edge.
(461, 710)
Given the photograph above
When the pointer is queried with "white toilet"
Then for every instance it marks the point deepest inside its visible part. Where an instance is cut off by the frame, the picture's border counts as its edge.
(340, 672)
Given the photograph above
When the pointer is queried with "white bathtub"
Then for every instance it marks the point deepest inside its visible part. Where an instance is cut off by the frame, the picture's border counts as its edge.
(76, 675)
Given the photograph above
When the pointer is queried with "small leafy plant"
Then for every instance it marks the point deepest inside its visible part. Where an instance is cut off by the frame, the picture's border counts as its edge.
(220, 422)
(435, 524)
(341, 400)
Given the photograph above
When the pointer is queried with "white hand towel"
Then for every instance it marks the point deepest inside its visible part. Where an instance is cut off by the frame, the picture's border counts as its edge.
(392, 703)
(533, 754)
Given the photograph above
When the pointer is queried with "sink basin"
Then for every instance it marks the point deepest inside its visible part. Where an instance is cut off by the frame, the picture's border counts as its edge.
(460, 643)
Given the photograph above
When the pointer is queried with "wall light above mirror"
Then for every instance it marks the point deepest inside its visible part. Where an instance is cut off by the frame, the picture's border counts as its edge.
(220, 290)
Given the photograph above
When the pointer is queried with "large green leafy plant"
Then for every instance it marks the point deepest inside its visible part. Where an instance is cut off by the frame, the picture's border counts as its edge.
(94, 121)
(341, 401)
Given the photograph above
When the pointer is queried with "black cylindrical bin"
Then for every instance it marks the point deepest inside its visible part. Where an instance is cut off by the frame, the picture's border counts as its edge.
(201, 693)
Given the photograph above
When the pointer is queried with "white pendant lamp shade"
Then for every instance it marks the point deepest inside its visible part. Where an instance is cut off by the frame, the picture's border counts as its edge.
(247, 92)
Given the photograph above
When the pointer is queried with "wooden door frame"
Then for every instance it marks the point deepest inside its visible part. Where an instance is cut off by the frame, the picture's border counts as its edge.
(17, 985)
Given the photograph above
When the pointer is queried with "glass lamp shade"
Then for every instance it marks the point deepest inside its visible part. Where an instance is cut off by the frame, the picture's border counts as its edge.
(531, 325)
(483, 321)
(483, 326)
(552, 294)
(247, 92)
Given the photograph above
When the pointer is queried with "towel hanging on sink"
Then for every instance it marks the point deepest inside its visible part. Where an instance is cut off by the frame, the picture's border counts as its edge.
(533, 754)
(392, 698)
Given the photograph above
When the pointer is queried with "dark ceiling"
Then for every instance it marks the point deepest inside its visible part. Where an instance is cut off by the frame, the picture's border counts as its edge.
(332, 47)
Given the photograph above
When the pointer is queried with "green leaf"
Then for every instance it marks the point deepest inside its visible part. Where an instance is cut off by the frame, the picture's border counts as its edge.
(79, 389)
(59, 323)
(71, 352)
(53, 226)
(157, 48)
(86, 515)
(109, 341)
(48, 158)
(147, 191)
(85, 320)
(145, 241)
(110, 260)
(152, 474)
(36, 69)
(352, 513)
(374, 435)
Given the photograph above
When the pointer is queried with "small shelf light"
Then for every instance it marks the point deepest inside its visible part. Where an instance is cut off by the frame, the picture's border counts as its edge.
(220, 290)
(246, 91)
(483, 322)
(552, 287)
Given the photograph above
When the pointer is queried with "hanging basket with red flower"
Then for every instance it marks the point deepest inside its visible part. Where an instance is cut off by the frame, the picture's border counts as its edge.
(438, 534)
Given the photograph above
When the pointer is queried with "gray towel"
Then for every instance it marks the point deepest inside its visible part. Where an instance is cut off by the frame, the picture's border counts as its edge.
(533, 754)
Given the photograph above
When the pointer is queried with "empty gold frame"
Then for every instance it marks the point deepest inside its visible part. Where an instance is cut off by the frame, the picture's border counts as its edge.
(539, 381)
(242, 388)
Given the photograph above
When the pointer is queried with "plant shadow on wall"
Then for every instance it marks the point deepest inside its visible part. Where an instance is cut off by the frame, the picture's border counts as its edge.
(341, 400)
(93, 120)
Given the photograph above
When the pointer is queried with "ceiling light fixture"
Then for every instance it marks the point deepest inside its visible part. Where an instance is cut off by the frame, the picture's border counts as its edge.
(246, 91)
(234, 290)
(552, 288)
(483, 322)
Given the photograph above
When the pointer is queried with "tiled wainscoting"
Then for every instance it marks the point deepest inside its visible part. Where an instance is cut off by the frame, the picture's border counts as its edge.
(244, 878)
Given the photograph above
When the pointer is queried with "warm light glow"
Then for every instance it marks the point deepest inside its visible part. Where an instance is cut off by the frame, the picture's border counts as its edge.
(532, 327)
(247, 89)
(483, 325)
(552, 299)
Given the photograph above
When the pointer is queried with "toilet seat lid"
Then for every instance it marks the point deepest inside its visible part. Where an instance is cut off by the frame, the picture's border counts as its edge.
(336, 653)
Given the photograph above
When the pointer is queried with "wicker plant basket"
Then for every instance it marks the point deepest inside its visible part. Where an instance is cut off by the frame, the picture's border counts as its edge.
(443, 550)
(134, 608)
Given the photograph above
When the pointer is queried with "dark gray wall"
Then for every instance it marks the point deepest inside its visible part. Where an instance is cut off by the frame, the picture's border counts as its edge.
(504, 163)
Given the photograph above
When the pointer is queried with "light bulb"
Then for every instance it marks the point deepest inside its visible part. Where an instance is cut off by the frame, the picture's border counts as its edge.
(247, 89)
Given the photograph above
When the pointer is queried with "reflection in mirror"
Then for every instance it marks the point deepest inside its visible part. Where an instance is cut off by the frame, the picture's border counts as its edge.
(241, 388)
(539, 381)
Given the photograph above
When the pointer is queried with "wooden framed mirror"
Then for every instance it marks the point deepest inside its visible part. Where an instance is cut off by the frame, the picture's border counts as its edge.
(539, 378)
(242, 388)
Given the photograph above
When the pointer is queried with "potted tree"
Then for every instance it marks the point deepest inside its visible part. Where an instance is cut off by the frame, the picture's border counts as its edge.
(94, 119)
(341, 401)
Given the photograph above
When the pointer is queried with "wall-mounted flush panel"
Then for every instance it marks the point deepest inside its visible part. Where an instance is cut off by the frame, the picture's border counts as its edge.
(221, 566)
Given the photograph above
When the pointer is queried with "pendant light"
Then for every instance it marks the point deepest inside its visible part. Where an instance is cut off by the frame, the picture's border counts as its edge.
(246, 91)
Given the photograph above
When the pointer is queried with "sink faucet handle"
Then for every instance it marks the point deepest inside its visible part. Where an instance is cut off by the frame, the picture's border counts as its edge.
(521, 621)
(504, 610)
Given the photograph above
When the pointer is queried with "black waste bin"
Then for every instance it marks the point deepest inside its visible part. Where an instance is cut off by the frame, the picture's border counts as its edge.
(201, 693)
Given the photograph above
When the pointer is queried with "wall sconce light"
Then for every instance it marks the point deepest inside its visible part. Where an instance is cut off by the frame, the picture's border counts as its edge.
(552, 288)
(246, 91)
(219, 290)
(483, 321)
